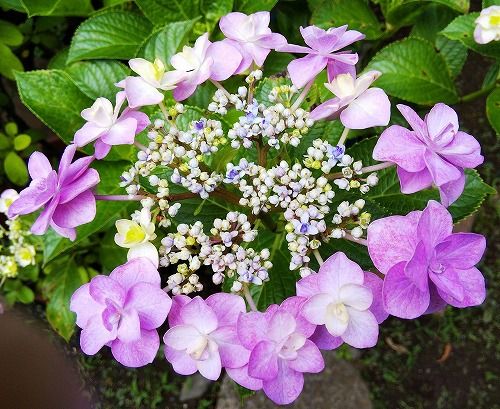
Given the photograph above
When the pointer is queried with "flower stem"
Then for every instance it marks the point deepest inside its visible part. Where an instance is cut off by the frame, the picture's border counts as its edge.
(302, 96)
(140, 146)
(248, 297)
(164, 111)
(343, 137)
(355, 240)
(120, 198)
(318, 256)
(476, 94)
(220, 87)
(367, 169)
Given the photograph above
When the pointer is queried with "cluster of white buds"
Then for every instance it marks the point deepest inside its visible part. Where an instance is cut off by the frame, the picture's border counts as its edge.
(349, 218)
(20, 252)
(322, 155)
(221, 100)
(190, 248)
(276, 124)
(351, 170)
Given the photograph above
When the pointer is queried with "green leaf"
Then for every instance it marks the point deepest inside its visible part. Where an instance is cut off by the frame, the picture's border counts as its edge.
(253, 6)
(11, 129)
(493, 109)
(276, 63)
(413, 71)
(15, 168)
(454, 54)
(57, 7)
(4, 142)
(282, 280)
(58, 61)
(25, 295)
(9, 62)
(109, 35)
(110, 254)
(21, 142)
(97, 78)
(488, 3)
(462, 29)
(64, 277)
(432, 21)
(356, 13)
(12, 4)
(163, 43)
(10, 34)
(55, 99)
(29, 273)
(107, 211)
(213, 10)
(492, 75)
(160, 12)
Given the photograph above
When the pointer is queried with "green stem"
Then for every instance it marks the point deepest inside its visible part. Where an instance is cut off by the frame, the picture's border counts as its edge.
(477, 94)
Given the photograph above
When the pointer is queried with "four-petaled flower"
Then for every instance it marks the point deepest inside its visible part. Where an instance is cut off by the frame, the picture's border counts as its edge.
(426, 266)
(123, 310)
(251, 35)
(66, 195)
(107, 127)
(202, 335)
(344, 302)
(280, 351)
(488, 25)
(435, 151)
(357, 105)
(323, 51)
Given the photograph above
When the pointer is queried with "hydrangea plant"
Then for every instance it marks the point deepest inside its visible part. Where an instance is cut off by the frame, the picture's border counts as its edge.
(257, 197)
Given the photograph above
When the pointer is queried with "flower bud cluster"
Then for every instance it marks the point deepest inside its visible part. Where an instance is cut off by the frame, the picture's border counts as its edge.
(190, 248)
(349, 218)
(324, 156)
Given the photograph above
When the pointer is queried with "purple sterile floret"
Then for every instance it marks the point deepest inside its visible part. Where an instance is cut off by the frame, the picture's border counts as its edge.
(280, 351)
(433, 152)
(122, 311)
(66, 196)
(202, 335)
(426, 266)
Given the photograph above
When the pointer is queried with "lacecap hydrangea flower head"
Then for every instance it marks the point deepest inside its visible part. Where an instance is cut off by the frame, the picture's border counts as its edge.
(223, 195)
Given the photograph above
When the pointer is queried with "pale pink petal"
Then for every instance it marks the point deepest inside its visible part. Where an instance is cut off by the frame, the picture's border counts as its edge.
(200, 315)
(184, 90)
(101, 149)
(121, 133)
(182, 363)
(38, 193)
(356, 296)
(474, 287)
(138, 270)
(348, 38)
(362, 331)
(103, 288)
(86, 181)
(328, 110)
(338, 270)
(84, 306)
(129, 329)
(69, 233)
(442, 123)
(294, 306)
(94, 336)
(281, 325)
(241, 377)
(144, 250)
(442, 171)
(435, 225)
(252, 328)
(324, 340)
(286, 387)
(416, 268)
(137, 353)
(335, 325)
(372, 108)
(412, 182)
(38, 166)
(451, 251)
(392, 239)
(77, 211)
(227, 307)
(314, 309)
(335, 68)
(140, 93)
(141, 118)
(88, 133)
(42, 222)
(305, 69)
(451, 191)
(151, 303)
(308, 286)
(399, 145)
(309, 359)
(181, 337)
(211, 367)
(232, 353)
(263, 362)
(448, 282)
(178, 302)
(375, 283)
(416, 123)
(401, 297)
(463, 151)
(226, 60)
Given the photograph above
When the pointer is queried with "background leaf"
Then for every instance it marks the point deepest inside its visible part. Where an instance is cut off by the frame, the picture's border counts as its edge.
(161, 11)
(109, 35)
(15, 168)
(10, 34)
(493, 109)
(9, 62)
(57, 7)
(413, 71)
(252, 6)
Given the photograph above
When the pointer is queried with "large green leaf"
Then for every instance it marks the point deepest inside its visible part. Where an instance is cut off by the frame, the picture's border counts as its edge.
(164, 42)
(493, 109)
(63, 278)
(107, 211)
(109, 35)
(97, 78)
(462, 29)
(55, 99)
(252, 6)
(454, 54)
(57, 7)
(160, 12)
(356, 13)
(9, 62)
(412, 70)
